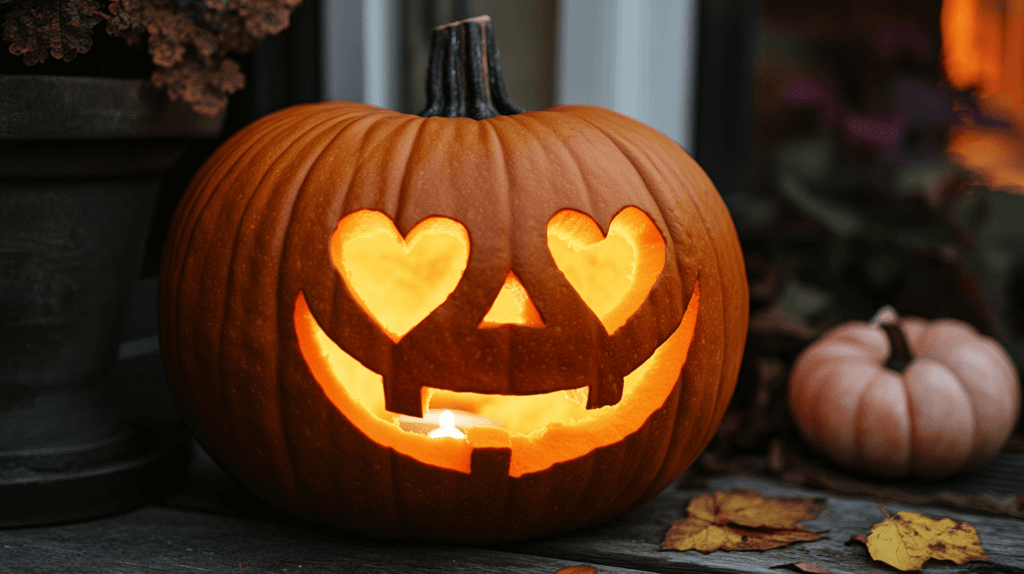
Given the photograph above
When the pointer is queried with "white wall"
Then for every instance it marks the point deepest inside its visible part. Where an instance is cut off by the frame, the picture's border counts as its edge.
(362, 51)
(637, 57)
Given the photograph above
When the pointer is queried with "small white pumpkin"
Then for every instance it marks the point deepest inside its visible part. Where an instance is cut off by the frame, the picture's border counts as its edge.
(905, 396)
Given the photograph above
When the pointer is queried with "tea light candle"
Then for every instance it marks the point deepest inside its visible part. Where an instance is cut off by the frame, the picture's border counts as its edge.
(446, 428)
(437, 423)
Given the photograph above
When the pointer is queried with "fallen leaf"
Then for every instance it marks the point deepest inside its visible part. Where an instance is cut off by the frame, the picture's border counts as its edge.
(578, 570)
(857, 538)
(741, 520)
(802, 567)
(751, 509)
(907, 540)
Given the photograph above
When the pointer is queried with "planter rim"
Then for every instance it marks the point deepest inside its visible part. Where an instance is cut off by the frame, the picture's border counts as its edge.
(41, 108)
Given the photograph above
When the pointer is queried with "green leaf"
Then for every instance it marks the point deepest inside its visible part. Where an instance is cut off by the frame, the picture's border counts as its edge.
(837, 219)
(809, 159)
(924, 176)
(882, 269)
(802, 300)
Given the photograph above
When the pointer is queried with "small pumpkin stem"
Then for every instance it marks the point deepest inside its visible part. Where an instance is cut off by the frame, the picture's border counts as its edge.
(899, 350)
(464, 78)
(899, 353)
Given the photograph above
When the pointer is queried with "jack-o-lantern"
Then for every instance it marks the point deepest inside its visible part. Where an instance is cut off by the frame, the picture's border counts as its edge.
(448, 327)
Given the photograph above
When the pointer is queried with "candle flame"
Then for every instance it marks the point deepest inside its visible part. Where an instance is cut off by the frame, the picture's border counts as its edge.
(447, 427)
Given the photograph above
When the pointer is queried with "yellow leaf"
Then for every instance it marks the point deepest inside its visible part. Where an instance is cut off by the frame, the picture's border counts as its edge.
(906, 541)
(751, 509)
(741, 520)
(703, 507)
(692, 533)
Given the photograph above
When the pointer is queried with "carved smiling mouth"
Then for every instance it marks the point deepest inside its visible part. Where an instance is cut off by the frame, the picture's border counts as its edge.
(541, 430)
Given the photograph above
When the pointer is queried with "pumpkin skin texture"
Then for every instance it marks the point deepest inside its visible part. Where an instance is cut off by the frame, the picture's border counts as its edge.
(950, 410)
(250, 283)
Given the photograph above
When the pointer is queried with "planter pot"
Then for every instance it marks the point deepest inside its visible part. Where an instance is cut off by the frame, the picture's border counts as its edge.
(80, 160)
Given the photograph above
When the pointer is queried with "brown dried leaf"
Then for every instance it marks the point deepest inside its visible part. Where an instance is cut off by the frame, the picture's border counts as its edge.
(775, 322)
(857, 538)
(58, 28)
(802, 567)
(21, 30)
(909, 539)
(741, 520)
(578, 570)
(191, 48)
(206, 89)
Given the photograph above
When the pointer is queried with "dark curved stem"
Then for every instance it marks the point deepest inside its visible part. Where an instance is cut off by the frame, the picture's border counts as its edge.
(899, 350)
(464, 78)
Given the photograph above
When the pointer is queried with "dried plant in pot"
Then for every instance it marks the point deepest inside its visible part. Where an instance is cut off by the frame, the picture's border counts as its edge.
(81, 154)
(183, 46)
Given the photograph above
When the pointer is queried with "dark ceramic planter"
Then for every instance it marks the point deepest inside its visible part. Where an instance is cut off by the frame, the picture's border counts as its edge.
(80, 160)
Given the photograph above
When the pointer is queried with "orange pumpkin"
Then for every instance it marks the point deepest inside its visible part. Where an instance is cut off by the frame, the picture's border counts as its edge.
(906, 396)
(453, 328)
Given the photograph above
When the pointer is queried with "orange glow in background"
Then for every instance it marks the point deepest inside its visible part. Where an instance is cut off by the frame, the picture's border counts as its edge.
(983, 48)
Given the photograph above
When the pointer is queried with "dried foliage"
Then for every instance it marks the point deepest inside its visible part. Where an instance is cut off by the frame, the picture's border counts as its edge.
(909, 539)
(578, 570)
(742, 520)
(746, 520)
(58, 28)
(189, 40)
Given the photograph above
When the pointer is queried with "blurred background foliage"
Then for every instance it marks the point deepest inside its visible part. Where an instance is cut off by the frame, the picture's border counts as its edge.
(856, 201)
(881, 173)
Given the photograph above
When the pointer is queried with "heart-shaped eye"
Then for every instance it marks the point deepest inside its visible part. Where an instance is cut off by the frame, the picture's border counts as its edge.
(399, 282)
(613, 275)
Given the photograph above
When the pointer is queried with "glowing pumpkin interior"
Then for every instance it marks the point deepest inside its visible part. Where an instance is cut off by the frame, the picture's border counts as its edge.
(400, 281)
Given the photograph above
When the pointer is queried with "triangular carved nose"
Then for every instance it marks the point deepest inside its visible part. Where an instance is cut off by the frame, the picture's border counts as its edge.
(512, 306)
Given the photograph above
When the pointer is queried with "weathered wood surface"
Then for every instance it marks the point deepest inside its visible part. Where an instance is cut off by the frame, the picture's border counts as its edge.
(218, 526)
(635, 538)
(1004, 474)
(169, 541)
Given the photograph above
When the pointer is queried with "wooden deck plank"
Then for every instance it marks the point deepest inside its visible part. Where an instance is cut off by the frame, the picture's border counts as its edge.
(218, 525)
(163, 540)
(1004, 474)
(634, 539)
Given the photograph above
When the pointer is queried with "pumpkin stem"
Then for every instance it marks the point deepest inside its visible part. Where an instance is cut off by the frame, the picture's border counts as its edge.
(464, 79)
(899, 350)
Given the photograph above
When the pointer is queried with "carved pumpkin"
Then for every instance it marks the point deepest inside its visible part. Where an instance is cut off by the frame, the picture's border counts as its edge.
(906, 396)
(558, 297)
